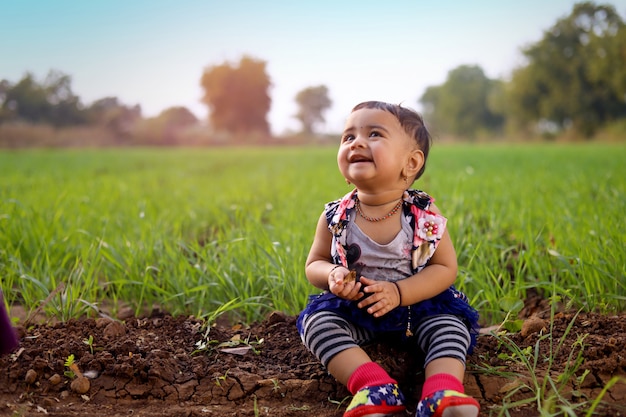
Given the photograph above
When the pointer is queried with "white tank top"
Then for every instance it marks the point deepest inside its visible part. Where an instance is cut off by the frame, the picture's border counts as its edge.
(388, 262)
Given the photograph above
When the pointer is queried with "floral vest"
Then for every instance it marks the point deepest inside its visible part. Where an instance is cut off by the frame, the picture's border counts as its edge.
(428, 227)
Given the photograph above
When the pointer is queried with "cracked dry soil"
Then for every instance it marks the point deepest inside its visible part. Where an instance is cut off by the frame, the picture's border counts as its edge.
(147, 367)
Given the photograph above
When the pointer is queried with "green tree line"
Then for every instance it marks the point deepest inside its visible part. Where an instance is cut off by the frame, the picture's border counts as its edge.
(573, 82)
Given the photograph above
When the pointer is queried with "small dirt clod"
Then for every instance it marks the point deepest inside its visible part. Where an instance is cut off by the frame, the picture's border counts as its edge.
(80, 385)
(55, 379)
(31, 376)
(533, 325)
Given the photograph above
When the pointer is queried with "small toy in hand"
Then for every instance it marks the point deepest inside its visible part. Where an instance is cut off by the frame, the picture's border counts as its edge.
(351, 277)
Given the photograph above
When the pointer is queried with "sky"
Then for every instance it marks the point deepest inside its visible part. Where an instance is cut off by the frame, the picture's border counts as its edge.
(154, 52)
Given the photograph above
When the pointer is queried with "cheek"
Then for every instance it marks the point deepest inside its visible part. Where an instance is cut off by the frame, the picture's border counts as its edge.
(342, 155)
(341, 162)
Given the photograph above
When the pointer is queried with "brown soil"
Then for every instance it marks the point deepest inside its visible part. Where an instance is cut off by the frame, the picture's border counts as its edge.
(148, 367)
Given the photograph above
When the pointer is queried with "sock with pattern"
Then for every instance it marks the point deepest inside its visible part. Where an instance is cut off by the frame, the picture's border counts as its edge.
(367, 375)
(440, 382)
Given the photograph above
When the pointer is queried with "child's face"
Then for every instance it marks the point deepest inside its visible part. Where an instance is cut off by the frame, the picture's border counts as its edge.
(376, 152)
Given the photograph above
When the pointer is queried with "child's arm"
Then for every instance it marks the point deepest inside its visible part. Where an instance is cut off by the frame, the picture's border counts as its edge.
(436, 277)
(320, 270)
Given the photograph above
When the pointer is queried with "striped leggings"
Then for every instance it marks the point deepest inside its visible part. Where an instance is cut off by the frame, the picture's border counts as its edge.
(326, 334)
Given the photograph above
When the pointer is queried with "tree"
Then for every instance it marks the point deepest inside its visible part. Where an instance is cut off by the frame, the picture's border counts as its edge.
(606, 56)
(65, 106)
(166, 128)
(178, 117)
(172, 121)
(313, 102)
(26, 100)
(575, 75)
(464, 104)
(50, 102)
(430, 103)
(113, 116)
(238, 96)
(6, 113)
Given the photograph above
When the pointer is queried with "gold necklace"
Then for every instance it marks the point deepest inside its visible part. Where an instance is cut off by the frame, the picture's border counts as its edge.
(377, 219)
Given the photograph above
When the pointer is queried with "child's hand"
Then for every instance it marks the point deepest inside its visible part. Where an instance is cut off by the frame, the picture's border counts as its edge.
(383, 297)
(338, 285)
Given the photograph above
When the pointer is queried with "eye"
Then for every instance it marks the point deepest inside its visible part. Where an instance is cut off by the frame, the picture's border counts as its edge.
(375, 133)
(347, 138)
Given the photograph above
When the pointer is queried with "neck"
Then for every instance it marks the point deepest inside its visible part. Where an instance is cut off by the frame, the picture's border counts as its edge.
(380, 198)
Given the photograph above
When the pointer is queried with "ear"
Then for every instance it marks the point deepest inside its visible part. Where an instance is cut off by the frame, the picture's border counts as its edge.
(415, 162)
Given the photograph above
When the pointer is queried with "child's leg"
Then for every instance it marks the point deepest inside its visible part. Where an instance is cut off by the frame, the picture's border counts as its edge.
(444, 365)
(327, 335)
(335, 341)
(343, 364)
(375, 392)
(443, 395)
(445, 339)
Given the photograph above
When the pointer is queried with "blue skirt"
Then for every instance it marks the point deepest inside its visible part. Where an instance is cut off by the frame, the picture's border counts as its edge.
(401, 319)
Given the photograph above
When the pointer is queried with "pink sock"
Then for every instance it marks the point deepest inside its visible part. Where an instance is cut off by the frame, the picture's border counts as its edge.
(367, 375)
(440, 382)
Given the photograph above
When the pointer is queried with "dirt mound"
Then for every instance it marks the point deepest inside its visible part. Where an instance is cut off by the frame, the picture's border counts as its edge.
(163, 366)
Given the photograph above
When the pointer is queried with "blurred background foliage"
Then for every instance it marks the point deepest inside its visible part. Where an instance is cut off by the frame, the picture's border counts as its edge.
(572, 86)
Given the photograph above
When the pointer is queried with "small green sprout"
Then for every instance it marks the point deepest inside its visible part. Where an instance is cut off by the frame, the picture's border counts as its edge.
(69, 362)
(89, 342)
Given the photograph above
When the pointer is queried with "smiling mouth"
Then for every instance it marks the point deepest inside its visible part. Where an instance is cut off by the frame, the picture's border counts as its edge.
(359, 159)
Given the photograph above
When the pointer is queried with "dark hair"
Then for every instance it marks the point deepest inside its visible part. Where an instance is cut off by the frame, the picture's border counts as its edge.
(410, 120)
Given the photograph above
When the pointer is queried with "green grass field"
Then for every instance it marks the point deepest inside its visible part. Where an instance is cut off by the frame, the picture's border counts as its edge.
(205, 231)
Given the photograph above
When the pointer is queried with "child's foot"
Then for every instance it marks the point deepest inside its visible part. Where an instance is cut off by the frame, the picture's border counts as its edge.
(448, 403)
(376, 401)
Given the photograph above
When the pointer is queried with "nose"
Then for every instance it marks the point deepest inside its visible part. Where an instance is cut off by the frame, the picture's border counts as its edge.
(357, 142)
